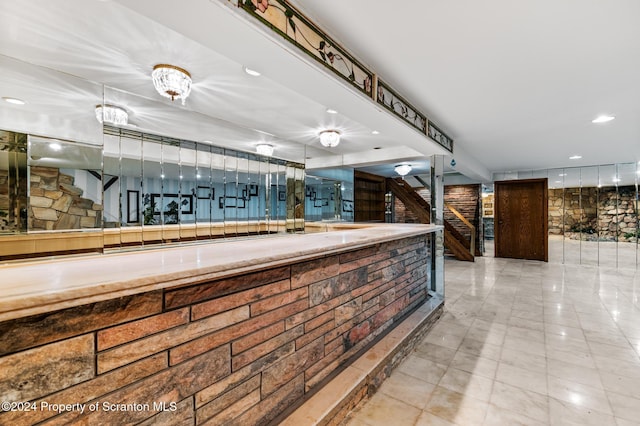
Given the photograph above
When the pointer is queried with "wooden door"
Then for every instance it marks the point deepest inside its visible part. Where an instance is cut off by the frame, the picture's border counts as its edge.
(521, 228)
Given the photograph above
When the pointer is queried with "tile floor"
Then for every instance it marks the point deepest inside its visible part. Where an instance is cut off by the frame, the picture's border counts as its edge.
(521, 343)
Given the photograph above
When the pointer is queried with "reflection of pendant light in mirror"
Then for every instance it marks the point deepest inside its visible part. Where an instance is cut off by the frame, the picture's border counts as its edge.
(330, 138)
(111, 114)
(171, 81)
(403, 169)
(264, 149)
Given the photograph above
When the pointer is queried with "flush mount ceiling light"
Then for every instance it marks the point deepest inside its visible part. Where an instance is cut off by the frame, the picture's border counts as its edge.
(575, 157)
(14, 101)
(112, 114)
(330, 138)
(264, 149)
(331, 111)
(375, 132)
(603, 119)
(171, 81)
(403, 169)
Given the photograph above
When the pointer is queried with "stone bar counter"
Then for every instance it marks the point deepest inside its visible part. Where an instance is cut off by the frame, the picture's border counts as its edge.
(234, 332)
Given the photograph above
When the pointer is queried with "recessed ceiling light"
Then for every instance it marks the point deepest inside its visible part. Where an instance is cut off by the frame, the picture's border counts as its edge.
(331, 111)
(251, 72)
(575, 157)
(603, 119)
(375, 132)
(14, 101)
(562, 174)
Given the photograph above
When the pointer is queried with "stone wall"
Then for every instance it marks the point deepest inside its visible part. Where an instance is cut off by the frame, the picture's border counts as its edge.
(236, 351)
(465, 199)
(404, 215)
(56, 204)
(592, 213)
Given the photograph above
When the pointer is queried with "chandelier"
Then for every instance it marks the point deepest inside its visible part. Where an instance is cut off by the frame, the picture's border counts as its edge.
(171, 81)
(330, 138)
(112, 114)
(403, 169)
(264, 149)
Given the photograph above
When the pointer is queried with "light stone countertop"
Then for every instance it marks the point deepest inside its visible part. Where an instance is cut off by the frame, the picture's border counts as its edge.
(46, 285)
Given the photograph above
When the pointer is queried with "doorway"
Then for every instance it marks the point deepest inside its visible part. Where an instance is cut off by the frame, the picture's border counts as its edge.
(521, 227)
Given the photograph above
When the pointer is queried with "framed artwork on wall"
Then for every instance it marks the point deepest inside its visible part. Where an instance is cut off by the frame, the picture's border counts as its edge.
(347, 206)
(184, 201)
(205, 193)
(231, 202)
(133, 206)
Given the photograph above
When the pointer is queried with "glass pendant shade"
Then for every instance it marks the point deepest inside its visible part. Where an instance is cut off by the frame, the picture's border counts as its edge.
(330, 138)
(403, 169)
(112, 114)
(171, 82)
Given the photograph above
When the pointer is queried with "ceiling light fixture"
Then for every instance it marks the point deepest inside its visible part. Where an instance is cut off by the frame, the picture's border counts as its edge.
(575, 157)
(375, 132)
(403, 169)
(252, 73)
(112, 114)
(171, 81)
(264, 149)
(603, 119)
(331, 111)
(14, 101)
(330, 138)
(55, 146)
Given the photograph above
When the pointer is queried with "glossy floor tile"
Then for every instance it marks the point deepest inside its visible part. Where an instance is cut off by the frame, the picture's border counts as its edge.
(521, 343)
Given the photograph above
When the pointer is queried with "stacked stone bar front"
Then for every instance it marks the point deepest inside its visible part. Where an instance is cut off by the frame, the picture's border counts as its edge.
(239, 350)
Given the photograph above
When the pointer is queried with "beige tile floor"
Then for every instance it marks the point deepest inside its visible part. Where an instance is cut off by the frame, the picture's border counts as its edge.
(522, 343)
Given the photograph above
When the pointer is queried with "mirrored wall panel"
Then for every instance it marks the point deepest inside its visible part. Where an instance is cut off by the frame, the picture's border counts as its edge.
(593, 214)
(170, 190)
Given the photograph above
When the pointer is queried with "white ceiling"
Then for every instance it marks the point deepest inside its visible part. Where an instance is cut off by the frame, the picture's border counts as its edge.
(58, 56)
(515, 84)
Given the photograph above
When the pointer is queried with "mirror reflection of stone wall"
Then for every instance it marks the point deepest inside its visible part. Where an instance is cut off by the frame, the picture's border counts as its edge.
(593, 214)
(141, 189)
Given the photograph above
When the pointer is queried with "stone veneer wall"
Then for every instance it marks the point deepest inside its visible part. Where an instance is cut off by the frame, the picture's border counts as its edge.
(611, 214)
(404, 215)
(56, 204)
(237, 351)
(465, 199)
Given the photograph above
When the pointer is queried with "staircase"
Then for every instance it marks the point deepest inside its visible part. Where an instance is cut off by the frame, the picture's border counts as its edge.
(454, 241)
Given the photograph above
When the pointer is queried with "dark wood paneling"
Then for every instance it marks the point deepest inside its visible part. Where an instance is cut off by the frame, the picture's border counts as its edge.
(521, 219)
(369, 197)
